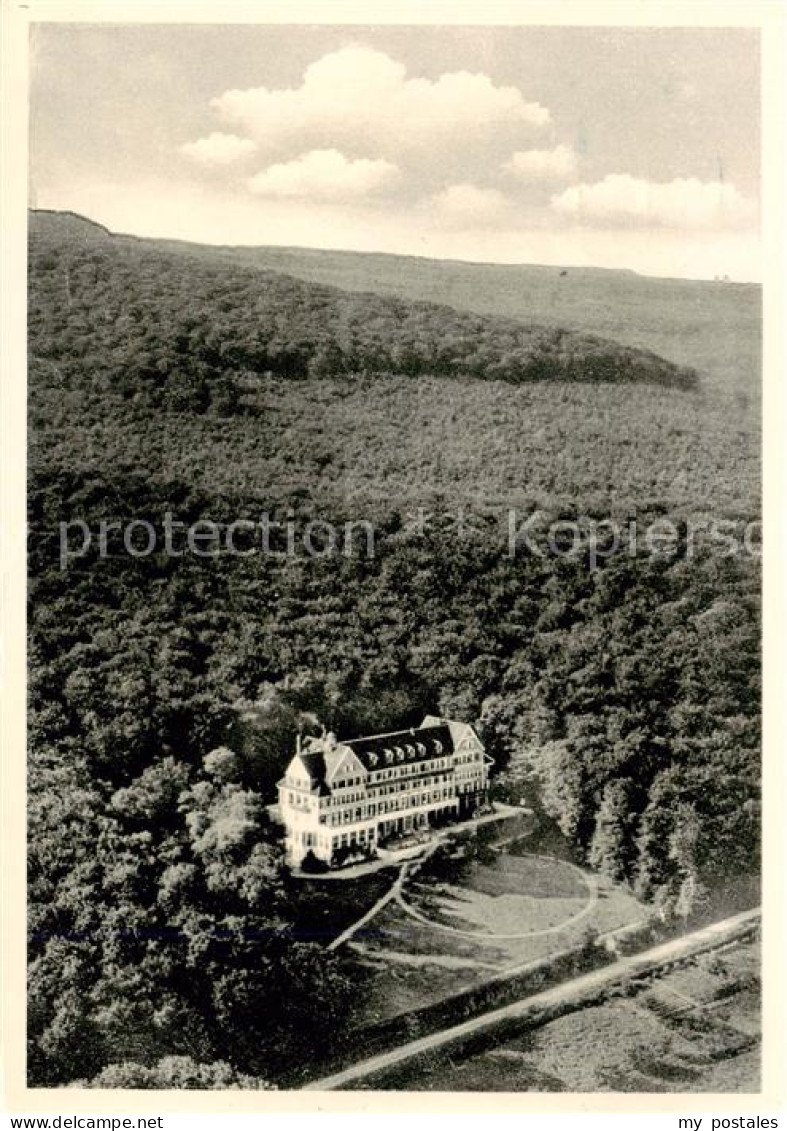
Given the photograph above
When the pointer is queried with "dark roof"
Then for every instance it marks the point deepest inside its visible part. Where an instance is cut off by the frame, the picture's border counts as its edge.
(417, 744)
(314, 761)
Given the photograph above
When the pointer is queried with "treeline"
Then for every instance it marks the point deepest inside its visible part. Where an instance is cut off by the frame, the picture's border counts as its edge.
(191, 335)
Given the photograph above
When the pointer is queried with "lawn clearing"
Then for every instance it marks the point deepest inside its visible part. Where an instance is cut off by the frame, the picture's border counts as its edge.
(461, 921)
(510, 898)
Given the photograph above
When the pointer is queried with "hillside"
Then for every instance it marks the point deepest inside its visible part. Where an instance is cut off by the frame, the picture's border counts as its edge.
(368, 401)
(714, 328)
(188, 337)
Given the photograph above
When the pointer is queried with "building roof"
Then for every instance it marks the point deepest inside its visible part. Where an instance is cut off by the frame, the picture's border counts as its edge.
(313, 761)
(324, 758)
(415, 745)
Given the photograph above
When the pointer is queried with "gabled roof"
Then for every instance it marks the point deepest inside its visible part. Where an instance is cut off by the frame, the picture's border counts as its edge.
(460, 732)
(341, 761)
(311, 762)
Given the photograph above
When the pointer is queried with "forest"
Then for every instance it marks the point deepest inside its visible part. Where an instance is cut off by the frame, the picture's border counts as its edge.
(164, 947)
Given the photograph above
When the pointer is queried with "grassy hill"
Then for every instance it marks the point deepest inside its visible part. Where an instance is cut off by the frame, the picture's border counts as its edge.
(712, 327)
(235, 378)
(229, 317)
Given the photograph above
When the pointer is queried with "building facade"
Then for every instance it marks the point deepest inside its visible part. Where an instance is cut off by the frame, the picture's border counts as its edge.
(338, 798)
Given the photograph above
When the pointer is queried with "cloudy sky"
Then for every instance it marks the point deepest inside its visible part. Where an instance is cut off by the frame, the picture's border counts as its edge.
(611, 147)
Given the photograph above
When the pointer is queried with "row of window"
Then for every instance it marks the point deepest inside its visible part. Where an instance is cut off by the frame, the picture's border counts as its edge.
(346, 799)
(303, 802)
(362, 813)
(325, 840)
(385, 790)
(396, 772)
(411, 769)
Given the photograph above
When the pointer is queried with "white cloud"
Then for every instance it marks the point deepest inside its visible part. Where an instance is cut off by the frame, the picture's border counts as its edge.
(682, 203)
(325, 174)
(361, 96)
(210, 211)
(543, 164)
(218, 149)
(469, 206)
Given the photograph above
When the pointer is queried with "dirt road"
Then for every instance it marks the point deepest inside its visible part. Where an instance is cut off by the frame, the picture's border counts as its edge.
(570, 992)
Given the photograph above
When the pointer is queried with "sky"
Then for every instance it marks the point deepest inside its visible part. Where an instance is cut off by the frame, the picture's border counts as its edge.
(609, 147)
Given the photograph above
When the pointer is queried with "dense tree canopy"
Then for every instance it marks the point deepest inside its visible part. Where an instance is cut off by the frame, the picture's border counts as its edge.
(198, 336)
(622, 696)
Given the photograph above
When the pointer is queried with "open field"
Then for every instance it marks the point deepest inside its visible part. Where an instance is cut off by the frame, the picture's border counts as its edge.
(695, 1029)
(460, 922)
(712, 326)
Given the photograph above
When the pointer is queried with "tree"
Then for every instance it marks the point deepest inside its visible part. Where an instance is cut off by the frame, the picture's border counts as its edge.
(154, 794)
(174, 1072)
(683, 852)
(610, 849)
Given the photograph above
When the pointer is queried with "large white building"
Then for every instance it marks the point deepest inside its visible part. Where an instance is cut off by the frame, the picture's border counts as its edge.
(340, 797)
